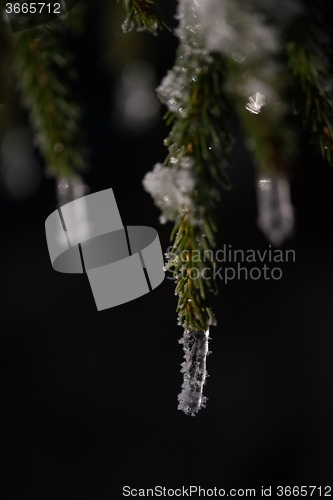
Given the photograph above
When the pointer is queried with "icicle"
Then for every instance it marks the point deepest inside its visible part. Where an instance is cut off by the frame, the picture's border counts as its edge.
(195, 345)
(136, 107)
(275, 210)
(69, 189)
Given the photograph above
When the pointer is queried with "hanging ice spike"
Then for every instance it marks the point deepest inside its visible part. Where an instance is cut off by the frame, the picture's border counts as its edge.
(275, 210)
(195, 345)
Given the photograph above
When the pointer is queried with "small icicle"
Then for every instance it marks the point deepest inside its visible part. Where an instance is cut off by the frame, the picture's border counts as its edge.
(195, 345)
(275, 210)
(69, 189)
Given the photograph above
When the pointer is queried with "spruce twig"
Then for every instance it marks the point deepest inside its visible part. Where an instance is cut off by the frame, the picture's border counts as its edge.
(198, 143)
(44, 68)
(142, 14)
(185, 188)
(313, 93)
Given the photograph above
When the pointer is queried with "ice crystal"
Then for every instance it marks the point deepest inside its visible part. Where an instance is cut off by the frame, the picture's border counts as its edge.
(195, 345)
(127, 26)
(171, 188)
(256, 102)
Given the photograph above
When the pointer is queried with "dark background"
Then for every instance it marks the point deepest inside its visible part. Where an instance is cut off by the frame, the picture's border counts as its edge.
(90, 398)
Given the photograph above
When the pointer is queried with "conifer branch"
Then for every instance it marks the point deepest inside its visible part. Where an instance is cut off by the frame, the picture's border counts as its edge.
(199, 146)
(142, 14)
(44, 68)
(312, 74)
(7, 77)
(185, 188)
